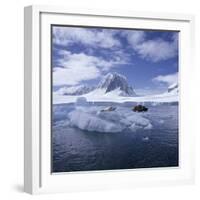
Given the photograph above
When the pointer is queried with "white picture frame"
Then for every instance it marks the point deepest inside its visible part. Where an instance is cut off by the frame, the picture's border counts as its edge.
(37, 138)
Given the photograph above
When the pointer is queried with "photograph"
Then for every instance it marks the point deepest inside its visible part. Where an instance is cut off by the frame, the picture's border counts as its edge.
(114, 98)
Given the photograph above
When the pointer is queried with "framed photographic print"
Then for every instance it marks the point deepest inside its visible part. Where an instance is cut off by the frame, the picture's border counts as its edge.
(107, 97)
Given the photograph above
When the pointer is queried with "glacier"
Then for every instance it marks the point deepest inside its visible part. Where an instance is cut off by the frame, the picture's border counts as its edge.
(99, 95)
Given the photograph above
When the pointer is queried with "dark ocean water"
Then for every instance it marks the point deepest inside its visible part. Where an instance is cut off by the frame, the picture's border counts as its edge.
(77, 150)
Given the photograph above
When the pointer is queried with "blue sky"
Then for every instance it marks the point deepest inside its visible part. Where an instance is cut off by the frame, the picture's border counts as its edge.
(149, 59)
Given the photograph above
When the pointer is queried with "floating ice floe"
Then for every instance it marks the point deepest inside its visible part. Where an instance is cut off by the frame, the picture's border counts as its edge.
(93, 119)
(145, 139)
(91, 122)
(81, 101)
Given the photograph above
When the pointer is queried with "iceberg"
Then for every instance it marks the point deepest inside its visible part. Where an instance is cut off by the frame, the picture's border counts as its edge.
(118, 120)
(89, 122)
(81, 101)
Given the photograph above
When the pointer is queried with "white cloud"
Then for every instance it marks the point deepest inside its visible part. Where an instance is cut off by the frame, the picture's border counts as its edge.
(153, 50)
(78, 67)
(167, 79)
(134, 37)
(157, 50)
(68, 35)
(72, 76)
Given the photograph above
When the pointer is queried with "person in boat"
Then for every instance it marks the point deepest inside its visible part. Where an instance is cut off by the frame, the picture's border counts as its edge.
(140, 108)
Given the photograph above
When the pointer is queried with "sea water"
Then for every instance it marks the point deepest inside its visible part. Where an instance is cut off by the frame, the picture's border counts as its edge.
(75, 149)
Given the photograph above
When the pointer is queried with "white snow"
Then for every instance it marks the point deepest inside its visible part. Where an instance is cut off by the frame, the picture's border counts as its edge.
(75, 90)
(99, 95)
(92, 119)
(173, 89)
(113, 88)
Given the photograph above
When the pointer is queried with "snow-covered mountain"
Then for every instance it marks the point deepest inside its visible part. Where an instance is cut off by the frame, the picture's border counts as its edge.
(114, 87)
(111, 83)
(75, 90)
(115, 81)
(173, 89)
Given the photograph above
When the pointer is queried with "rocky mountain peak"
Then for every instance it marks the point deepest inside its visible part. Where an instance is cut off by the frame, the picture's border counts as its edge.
(113, 81)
